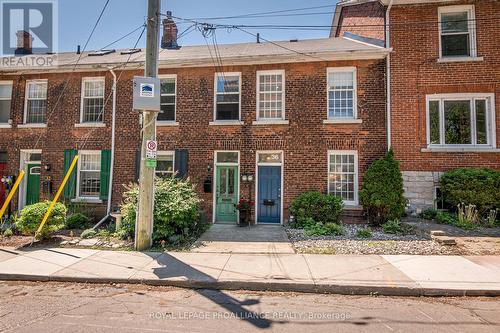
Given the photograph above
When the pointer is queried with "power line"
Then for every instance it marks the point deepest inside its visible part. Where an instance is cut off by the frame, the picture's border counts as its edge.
(122, 38)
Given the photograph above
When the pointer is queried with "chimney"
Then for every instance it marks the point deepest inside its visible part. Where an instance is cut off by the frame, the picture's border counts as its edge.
(169, 38)
(24, 42)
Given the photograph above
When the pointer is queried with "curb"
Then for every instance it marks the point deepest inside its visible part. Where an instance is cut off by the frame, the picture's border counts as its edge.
(268, 286)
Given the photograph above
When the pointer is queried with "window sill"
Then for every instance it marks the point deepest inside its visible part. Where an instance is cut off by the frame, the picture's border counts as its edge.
(87, 200)
(167, 123)
(271, 122)
(459, 150)
(90, 125)
(226, 123)
(342, 121)
(32, 126)
(460, 59)
(5, 126)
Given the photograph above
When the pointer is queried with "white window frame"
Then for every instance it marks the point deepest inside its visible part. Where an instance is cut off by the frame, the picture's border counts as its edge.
(169, 122)
(7, 83)
(354, 71)
(223, 74)
(490, 119)
(258, 92)
(355, 202)
(471, 25)
(166, 153)
(80, 153)
(82, 97)
(26, 93)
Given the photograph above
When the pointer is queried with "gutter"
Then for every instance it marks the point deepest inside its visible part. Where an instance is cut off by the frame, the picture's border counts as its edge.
(388, 69)
(113, 124)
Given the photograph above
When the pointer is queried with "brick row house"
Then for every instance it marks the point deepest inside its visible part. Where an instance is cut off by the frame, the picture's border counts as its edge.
(266, 121)
(443, 84)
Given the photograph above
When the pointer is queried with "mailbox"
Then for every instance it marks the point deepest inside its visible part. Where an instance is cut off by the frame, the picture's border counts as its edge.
(207, 185)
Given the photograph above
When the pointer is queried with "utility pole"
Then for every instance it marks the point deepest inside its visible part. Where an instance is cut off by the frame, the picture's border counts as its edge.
(144, 221)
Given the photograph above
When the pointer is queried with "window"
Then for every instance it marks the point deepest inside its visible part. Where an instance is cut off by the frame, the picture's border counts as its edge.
(343, 175)
(460, 120)
(269, 157)
(92, 100)
(457, 31)
(227, 157)
(227, 96)
(36, 102)
(165, 164)
(270, 95)
(342, 93)
(89, 174)
(168, 91)
(5, 101)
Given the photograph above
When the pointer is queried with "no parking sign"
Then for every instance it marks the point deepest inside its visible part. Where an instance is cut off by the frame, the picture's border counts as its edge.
(151, 149)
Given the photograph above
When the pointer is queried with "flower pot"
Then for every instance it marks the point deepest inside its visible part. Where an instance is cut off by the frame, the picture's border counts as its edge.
(244, 218)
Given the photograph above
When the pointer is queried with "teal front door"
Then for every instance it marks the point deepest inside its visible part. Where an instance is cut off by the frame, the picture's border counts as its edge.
(33, 185)
(226, 194)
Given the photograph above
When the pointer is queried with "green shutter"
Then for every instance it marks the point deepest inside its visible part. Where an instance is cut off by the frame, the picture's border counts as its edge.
(105, 167)
(70, 188)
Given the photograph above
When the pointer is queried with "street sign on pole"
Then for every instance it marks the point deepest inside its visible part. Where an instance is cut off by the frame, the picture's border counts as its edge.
(151, 150)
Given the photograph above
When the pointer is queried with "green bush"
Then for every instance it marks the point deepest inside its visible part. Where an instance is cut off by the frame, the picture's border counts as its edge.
(8, 232)
(321, 229)
(446, 218)
(472, 186)
(31, 216)
(429, 214)
(176, 210)
(396, 227)
(382, 191)
(324, 208)
(88, 233)
(364, 233)
(76, 221)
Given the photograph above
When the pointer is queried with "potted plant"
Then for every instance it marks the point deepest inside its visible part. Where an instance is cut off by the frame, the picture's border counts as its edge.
(244, 206)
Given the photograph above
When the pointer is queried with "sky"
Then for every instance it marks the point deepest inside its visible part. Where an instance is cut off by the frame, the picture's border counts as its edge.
(77, 17)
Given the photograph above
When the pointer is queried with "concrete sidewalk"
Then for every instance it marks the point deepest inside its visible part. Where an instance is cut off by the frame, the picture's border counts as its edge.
(345, 274)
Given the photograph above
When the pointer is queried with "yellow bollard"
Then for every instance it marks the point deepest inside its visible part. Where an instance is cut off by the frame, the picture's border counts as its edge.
(58, 194)
(11, 193)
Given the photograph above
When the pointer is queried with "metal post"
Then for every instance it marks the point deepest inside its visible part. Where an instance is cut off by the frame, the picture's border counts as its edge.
(144, 222)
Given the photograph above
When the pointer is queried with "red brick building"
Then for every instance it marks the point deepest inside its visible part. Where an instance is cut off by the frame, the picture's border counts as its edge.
(269, 121)
(444, 86)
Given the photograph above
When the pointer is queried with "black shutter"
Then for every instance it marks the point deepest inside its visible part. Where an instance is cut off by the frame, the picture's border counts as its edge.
(137, 164)
(181, 163)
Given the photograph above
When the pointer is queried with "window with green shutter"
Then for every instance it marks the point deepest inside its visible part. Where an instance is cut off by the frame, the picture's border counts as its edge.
(70, 188)
(105, 173)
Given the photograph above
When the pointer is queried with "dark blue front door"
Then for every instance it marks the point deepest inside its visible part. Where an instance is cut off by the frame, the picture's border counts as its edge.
(269, 194)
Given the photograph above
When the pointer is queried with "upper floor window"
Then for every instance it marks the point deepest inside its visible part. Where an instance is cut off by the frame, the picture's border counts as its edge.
(460, 120)
(270, 95)
(35, 107)
(457, 31)
(92, 100)
(342, 93)
(5, 101)
(168, 92)
(227, 96)
(165, 164)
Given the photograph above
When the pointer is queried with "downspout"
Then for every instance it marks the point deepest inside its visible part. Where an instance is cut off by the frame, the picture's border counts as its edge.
(112, 162)
(388, 69)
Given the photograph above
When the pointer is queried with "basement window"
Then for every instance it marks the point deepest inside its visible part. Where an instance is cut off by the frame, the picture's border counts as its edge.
(457, 32)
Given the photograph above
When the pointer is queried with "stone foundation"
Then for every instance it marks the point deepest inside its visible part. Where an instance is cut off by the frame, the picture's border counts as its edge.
(419, 189)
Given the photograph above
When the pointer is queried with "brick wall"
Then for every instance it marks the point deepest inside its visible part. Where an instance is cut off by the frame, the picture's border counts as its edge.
(366, 19)
(305, 141)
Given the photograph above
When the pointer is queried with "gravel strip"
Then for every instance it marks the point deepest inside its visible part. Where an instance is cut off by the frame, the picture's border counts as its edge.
(379, 243)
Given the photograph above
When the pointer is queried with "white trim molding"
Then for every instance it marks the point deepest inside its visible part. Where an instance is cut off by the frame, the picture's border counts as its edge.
(223, 75)
(82, 97)
(332, 70)
(214, 185)
(169, 122)
(26, 94)
(282, 183)
(258, 92)
(471, 27)
(354, 153)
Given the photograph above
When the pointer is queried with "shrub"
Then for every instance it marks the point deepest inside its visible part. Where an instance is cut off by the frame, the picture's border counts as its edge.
(31, 216)
(429, 214)
(88, 233)
(491, 219)
(472, 186)
(324, 208)
(76, 221)
(176, 209)
(397, 228)
(446, 218)
(364, 233)
(382, 190)
(8, 232)
(321, 229)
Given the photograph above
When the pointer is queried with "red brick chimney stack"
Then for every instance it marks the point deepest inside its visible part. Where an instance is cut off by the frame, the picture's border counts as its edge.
(24, 42)
(169, 38)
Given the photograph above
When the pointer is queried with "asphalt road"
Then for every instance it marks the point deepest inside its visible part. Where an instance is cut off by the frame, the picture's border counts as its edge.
(67, 307)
